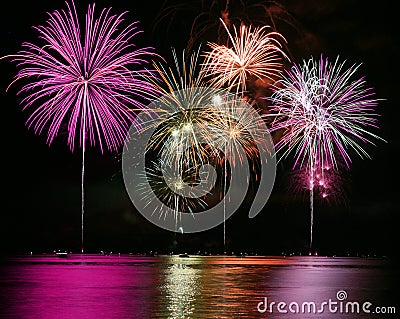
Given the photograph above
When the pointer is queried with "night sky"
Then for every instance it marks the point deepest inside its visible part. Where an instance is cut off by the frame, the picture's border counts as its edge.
(40, 209)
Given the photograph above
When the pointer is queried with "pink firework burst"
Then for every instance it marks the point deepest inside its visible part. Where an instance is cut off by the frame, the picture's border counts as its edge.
(85, 79)
(255, 52)
(92, 80)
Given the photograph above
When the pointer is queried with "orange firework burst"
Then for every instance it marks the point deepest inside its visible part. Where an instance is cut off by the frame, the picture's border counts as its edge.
(255, 53)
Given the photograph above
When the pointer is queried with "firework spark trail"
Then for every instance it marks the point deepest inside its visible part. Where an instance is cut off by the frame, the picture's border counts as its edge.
(84, 79)
(324, 113)
(255, 53)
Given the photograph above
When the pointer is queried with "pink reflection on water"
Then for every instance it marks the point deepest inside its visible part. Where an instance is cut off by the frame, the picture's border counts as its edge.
(79, 286)
(201, 287)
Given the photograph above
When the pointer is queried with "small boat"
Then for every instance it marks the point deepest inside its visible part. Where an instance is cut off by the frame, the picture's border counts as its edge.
(62, 254)
(185, 255)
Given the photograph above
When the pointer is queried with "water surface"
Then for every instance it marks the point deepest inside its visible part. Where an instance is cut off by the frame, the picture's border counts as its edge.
(127, 286)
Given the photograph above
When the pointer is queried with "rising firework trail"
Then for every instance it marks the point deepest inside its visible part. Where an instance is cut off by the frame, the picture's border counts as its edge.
(91, 80)
(325, 113)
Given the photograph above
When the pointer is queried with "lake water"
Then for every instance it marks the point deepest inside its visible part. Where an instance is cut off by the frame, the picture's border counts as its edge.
(127, 286)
